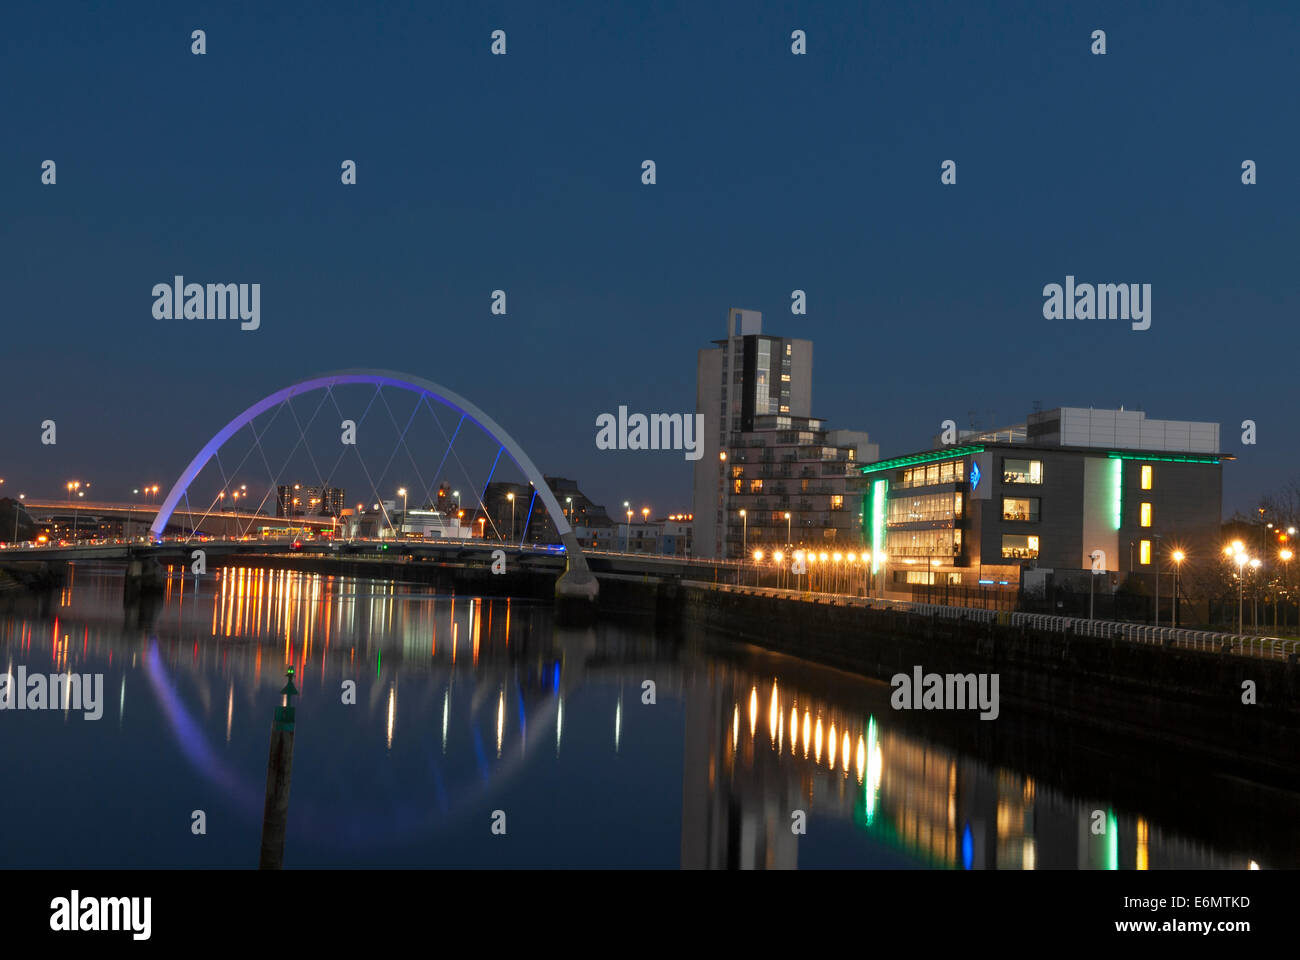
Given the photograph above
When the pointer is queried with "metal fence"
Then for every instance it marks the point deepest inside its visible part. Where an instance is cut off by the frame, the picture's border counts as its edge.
(1204, 640)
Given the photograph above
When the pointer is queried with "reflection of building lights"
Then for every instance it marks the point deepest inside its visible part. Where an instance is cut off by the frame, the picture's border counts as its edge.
(392, 710)
(830, 756)
(446, 706)
(874, 770)
(772, 713)
(501, 718)
(861, 758)
(1112, 840)
(735, 727)
(807, 731)
(844, 752)
(753, 710)
(817, 742)
(618, 724)
(1143, 849)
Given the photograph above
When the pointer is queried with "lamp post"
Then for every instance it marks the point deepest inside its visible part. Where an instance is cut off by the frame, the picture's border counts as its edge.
(1254, 605)
(1285, 556)
(627, 540)
(21, 496)
(1156, 545)
(787, 529)
(1240, 557)
(511, 497)
(456, 494)
(401, 492)
(569, 501)
(1178, 557)
(744, 533)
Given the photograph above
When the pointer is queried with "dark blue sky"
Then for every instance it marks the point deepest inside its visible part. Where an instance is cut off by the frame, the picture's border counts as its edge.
(522, 172)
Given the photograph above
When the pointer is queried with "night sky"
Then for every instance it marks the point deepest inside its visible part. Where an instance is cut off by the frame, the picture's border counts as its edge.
(523, 172)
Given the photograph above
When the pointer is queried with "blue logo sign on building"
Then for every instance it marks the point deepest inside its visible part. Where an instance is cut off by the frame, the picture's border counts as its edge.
(974, 476)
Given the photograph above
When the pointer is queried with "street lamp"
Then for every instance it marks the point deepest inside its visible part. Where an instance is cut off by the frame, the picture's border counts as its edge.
(456, 494)
(569, 501)
(744, 530)
(1178, 557)
(627, 542)
(758, 558)
(401, 492)
(511, 497)
(788, 541)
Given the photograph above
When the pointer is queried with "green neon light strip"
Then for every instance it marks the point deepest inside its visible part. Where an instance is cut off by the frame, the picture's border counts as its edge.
(1117, 492)
(879, 497)
(1134, 456)
(921, 458)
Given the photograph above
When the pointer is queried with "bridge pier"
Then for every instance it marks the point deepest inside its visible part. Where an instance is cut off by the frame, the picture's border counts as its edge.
(144, 576)
(576, 589)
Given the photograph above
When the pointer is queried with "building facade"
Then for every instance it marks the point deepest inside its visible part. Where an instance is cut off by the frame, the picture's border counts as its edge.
(1076, 490)
(302, 500)
(770, 473)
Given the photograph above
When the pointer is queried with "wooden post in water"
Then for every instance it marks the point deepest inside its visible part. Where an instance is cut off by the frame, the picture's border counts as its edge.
(279, 772)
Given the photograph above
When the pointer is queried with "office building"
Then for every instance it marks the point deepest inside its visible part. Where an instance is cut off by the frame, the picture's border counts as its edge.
(1071, 489)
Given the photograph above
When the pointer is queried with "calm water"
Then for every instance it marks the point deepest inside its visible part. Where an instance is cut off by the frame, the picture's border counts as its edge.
(465, 706)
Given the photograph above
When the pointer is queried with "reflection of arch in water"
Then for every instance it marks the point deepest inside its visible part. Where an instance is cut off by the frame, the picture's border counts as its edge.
(305, 814)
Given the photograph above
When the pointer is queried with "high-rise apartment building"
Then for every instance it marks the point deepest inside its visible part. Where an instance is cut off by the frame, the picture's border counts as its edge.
(770, 472)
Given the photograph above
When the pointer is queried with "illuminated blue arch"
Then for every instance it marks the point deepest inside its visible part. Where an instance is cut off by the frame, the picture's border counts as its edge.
(379, 378)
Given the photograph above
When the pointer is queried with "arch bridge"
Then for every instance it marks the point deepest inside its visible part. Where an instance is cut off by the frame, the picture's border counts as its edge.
(576, 589)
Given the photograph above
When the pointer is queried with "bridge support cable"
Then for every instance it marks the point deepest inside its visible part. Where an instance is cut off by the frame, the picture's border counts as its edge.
(523, 534)
(483, 506)
(424, 399)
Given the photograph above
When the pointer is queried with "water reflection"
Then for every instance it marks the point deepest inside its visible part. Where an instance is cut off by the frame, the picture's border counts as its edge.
(433, 740)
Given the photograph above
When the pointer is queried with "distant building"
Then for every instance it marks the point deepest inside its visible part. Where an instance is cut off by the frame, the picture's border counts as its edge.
(771, 474)
(1069, 490)
(302, 500)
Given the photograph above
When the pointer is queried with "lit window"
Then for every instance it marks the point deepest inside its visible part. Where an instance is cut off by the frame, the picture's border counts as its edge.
(1146, 516)
(1144, 552)
(837, 502)
(1146, 478)
(1023, 509)
(756, 486)
(1017, 547)
(1022, 471)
